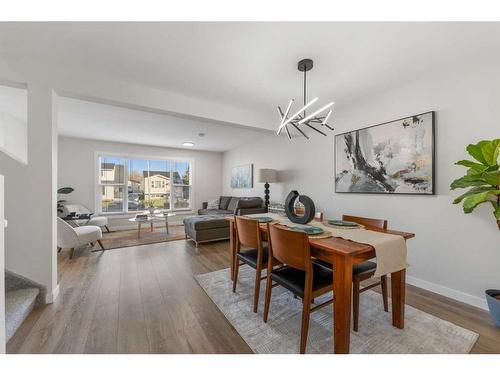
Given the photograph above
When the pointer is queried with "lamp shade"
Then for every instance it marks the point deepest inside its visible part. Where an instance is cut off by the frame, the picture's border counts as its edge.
(267, 175)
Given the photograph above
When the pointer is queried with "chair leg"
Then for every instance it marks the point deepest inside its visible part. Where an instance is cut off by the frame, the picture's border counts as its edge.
(384, 293)
(100, 244)
(71, 253)
(256, 292)
(107, 228)
(306, 311)
(267, 301)
(355, 304)
(236, 268)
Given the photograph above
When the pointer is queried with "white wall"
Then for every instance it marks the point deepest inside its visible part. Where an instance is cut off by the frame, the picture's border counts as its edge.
(2, 270)
(30, 199)
(452, 254)
(13, 137)
(77, 169)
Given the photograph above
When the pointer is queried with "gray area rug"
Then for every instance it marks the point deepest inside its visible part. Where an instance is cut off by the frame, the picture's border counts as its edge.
(423, 333)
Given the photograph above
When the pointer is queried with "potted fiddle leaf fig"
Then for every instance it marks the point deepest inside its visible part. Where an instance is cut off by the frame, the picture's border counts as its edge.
(483, 180)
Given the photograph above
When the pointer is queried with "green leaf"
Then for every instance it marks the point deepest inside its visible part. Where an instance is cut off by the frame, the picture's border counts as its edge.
(476, 152)
(490, 151)
(497, 213)
(471, 164)
(485, 152)
(475, 190)
(473, 200)
(492, 178)
(467, 181)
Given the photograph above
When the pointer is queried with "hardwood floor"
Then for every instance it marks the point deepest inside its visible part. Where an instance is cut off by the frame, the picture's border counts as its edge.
(145, 300)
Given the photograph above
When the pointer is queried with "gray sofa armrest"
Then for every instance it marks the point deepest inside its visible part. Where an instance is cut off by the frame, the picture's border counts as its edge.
(249, 211)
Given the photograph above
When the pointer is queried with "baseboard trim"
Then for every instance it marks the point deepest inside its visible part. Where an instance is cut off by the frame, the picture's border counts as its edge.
(52, 297)
(448, 292)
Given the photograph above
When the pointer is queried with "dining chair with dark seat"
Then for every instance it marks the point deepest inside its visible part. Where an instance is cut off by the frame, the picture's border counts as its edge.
(300, 274)
(364, 271)
(248, 234)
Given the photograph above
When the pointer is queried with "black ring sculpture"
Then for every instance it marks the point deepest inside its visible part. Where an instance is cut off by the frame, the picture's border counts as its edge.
(309, 208)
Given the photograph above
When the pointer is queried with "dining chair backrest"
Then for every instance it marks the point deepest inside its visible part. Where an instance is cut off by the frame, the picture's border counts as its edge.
(289, 247)
(248, 231)
(366, 221)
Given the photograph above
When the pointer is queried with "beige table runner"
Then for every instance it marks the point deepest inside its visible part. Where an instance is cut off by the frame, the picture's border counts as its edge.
(390, 249)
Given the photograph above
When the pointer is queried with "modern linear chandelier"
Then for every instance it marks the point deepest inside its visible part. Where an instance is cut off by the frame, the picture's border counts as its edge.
(300, 117)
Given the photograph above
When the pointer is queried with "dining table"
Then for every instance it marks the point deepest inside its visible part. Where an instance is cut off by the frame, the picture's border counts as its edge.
(343, 254)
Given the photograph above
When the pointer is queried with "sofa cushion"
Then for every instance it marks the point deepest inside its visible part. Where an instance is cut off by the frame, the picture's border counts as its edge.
(205, 222)
(252, 202)
(206, 211)
(213, 204)
(224, 202)
(233, 204)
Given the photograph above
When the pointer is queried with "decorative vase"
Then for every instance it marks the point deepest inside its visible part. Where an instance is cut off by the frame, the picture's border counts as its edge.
(493, 299)
(309, 209)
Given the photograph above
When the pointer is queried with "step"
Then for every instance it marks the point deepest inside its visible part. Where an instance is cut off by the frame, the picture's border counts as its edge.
(18, 304)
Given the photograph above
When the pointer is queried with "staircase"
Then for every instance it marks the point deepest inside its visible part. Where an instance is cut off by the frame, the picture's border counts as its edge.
(21, 297)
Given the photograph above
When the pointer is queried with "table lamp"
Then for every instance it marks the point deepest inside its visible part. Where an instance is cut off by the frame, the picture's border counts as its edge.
(267, 175)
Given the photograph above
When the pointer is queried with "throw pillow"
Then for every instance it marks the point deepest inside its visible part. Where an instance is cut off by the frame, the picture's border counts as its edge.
(213, 204)
(224, 202)
(233, 205)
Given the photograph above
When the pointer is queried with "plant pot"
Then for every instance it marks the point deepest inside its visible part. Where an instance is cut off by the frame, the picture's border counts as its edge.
(493, 299)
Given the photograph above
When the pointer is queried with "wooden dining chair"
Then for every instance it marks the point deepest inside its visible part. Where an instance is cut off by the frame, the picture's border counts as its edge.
(248, 234)
(300, 274)
(366, 270)
(363, 271)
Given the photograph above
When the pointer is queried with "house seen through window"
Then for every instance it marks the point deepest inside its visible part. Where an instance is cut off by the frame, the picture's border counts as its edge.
(128, 185)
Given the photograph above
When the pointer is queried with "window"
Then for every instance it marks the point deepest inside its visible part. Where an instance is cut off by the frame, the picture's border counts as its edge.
(128, 185)
(111, 183)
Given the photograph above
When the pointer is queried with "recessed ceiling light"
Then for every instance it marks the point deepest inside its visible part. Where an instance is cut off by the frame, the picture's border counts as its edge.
(189, 144)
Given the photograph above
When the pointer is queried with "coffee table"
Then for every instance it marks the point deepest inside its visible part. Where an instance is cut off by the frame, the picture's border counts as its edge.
(158, 215)
(163, 215)
(141, 221)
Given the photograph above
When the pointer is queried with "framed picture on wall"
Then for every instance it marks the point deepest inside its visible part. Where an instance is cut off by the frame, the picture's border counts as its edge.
(395, 157)
(242, 177)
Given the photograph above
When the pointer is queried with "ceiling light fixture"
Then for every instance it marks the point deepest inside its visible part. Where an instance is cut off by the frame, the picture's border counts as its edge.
(300, 117)
(189, 144)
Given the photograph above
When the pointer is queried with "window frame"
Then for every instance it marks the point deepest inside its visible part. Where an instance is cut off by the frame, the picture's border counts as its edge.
(127, 158)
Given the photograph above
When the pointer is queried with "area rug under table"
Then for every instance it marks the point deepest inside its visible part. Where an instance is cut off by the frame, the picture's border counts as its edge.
(423, 333)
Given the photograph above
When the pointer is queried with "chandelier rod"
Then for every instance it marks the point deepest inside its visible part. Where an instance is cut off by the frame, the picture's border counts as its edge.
(305, 87)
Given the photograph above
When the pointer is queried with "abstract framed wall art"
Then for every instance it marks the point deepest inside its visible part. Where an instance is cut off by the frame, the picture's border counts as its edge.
(395, 157)
(242, 177)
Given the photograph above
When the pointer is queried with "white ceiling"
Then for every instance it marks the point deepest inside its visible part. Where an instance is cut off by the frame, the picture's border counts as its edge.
(247, 65)
(84, 119)
(254, 64)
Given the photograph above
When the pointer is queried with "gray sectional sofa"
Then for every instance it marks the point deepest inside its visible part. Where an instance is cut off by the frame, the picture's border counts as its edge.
(211, 224)
(235, 206)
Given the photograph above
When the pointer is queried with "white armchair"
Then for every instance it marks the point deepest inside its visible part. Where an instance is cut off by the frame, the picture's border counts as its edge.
(70, 238)
(100, 221)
